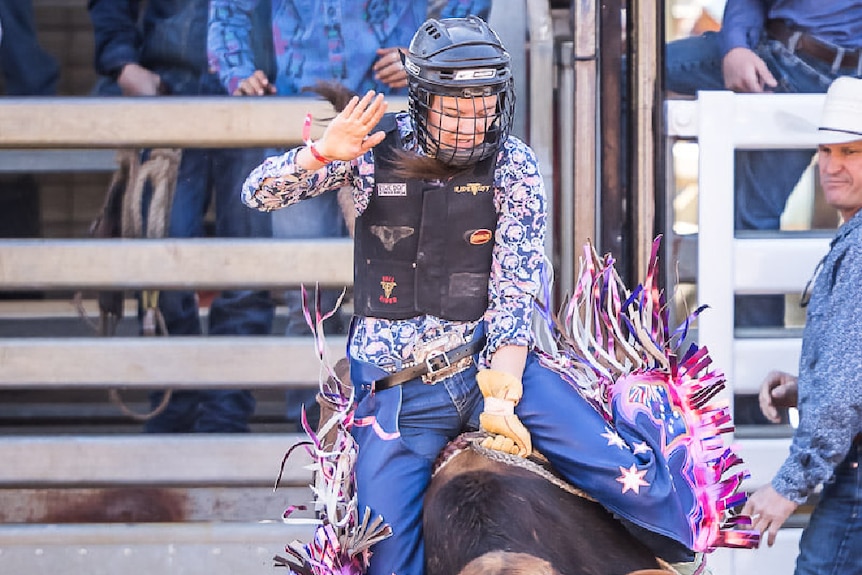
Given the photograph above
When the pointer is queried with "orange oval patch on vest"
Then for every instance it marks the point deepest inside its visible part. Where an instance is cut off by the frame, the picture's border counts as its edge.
(480, 237)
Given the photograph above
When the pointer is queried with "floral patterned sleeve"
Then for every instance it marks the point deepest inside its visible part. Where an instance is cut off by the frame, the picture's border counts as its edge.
(279, 182)
(519, 250)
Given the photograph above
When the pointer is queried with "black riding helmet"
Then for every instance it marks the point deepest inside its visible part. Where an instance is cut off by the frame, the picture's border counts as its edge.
(464, 58)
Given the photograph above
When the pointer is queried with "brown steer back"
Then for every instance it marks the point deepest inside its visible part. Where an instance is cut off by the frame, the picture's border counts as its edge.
(484, 516)
(477, 505)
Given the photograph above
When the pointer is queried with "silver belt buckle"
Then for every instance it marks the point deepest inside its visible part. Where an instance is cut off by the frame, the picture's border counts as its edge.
(430, 353)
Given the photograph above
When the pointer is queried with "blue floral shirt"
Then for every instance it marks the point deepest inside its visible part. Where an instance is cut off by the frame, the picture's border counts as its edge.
(517, 261)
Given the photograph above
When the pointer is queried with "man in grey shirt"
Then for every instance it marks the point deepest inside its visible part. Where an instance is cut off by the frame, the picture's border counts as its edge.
(826, 446)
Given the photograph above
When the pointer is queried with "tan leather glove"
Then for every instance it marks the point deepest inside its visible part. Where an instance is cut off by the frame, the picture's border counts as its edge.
(502, 391)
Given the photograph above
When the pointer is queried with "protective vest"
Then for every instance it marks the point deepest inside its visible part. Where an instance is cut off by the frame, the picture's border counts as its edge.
(424, 247)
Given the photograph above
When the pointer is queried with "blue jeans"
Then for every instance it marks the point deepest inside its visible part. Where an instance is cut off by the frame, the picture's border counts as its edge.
(318, 217)
(392, 475)
(763, 180)
(28, 70)
(203, 411)
(415, 421)
(213, 175)
(832, 542)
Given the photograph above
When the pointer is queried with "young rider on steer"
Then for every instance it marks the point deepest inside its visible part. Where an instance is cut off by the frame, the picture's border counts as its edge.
(449, 257)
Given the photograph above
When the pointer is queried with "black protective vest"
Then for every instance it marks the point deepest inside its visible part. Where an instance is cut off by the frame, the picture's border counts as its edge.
(424, 247)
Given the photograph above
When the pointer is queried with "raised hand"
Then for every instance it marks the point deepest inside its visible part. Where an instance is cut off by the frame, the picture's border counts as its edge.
(348, 134)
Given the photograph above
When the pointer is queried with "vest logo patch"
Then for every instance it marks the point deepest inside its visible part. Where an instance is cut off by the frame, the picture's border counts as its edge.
(391, 235)
(479, 237)
(388, 284)
(473, 188)
(392, 190)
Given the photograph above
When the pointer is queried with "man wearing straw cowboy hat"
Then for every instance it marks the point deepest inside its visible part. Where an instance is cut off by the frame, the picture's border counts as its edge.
(827, 445)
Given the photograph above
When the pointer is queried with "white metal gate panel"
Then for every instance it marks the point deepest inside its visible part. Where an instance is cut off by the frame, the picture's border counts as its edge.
(767, 262)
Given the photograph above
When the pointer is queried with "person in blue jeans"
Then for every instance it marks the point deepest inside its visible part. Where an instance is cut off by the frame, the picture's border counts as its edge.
(827, 444)
(353, 43)
(449, 263)
(781, 46)
(166, 55)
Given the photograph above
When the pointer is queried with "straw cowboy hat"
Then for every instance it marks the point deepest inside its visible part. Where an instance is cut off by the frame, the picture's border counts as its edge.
(842, 112)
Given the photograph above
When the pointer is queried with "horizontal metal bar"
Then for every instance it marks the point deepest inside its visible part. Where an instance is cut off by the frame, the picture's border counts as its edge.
(163, 362)
(57, 161)
(755, 121)
(155, 533)
(24, 309)
(779, 121)
(753, 359)
(152, 459)
(766, 560)
(199, 122)
(230, 548)
(777, 265)
(762, 457)
(148, 504)
(167, 549)
(176, 263)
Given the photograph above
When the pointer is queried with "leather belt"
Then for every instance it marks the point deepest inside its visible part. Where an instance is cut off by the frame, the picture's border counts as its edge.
(431, 365)
(808, 44)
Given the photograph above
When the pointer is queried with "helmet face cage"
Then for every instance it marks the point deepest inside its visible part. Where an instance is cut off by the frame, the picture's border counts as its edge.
(460, 92)
(465, 133)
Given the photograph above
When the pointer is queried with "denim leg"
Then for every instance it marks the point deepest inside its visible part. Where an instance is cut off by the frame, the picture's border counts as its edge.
(179, 414)
(763, 180)
(202, 411)
(234, 312)
(831, 543)
(202, 175)
(393, 473)
(180, 308)
(191, 200)
(759, 207)
(223, 411)
(577, 441)
(693, 64)
(28, 70)
(238, 312)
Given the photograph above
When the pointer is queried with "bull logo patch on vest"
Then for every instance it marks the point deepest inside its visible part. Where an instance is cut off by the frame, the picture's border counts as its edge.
(393, 190)
(391, 235)
(479, 237)
(474, 188)
(388, 284)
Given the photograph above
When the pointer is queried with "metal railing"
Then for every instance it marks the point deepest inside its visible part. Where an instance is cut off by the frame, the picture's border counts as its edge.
(40, 135)
(730, 263)
(105, 470)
